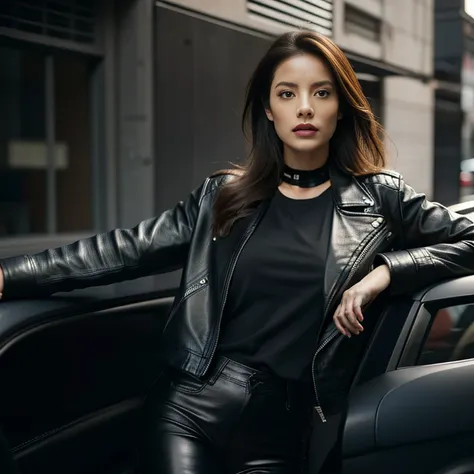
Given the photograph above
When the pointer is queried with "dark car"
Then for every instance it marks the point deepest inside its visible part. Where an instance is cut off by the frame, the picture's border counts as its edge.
(75, 368)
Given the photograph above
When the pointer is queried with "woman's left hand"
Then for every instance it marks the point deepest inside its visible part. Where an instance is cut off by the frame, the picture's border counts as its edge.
(348, 316)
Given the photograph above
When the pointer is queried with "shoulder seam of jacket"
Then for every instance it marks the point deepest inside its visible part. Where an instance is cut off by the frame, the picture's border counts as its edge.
(208, 188)
(395, 176)
(393, 173)
(218, 176)
(204, 191)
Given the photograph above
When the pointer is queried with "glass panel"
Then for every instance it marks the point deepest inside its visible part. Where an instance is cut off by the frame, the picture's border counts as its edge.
(451, 336)
(22, 143)
(73, 141)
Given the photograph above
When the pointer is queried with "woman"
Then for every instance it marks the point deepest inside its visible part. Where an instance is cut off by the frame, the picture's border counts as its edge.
(279, 260)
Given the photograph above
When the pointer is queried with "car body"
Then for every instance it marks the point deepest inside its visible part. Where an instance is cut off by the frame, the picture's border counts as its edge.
(75, 369)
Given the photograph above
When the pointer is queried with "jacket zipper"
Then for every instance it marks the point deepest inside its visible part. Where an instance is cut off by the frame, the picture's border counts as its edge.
(375, 239)
(189, 291)
(243, 242)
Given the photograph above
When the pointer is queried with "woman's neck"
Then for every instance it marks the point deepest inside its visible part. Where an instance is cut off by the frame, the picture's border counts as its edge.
(305, 160)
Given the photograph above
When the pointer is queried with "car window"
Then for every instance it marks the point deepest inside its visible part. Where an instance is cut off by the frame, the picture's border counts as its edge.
(451, 336)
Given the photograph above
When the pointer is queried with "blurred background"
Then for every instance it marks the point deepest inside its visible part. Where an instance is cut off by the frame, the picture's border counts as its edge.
(113, 110)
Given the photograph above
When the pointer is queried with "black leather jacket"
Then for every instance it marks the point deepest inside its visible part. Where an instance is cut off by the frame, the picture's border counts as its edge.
(377, 218)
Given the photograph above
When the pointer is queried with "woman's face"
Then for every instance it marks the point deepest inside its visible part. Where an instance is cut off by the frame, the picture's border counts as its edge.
(304, 104)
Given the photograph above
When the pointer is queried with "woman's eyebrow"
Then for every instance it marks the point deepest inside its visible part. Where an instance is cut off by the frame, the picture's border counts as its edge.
(325, 82)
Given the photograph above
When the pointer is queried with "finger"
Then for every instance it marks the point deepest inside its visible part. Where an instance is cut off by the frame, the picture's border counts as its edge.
(351, 306)
(337, 321)
(343, 321)
(336, 318)
(357, 309)
(349, 320)
(340, 328)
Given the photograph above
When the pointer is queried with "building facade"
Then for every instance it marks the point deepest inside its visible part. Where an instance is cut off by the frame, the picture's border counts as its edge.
(114, 110)
(454, 99)
(77, 137)
(397, 38)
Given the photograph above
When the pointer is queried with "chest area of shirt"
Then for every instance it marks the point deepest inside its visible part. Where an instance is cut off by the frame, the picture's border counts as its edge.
(290, 235)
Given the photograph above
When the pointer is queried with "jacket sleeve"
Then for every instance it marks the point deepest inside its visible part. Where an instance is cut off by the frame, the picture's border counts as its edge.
(156, 245)
(437, 244)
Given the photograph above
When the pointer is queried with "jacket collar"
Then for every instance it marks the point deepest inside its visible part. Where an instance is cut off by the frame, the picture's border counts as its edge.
(348, 191)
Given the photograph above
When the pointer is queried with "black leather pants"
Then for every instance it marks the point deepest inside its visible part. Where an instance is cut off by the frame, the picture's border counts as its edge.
(237, 421)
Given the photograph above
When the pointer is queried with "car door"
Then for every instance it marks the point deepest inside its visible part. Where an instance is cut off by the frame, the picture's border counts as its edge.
(74, 370)
(411, 409)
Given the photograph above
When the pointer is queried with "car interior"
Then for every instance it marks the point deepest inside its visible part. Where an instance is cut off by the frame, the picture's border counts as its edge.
(451, 336)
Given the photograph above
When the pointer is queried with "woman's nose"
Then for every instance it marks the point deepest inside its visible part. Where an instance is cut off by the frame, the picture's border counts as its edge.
(305, 111)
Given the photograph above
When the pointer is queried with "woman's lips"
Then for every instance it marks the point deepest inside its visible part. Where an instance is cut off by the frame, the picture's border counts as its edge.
(305, 130)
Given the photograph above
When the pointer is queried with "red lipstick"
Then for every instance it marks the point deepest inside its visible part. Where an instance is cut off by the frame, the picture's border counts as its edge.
(305, 130)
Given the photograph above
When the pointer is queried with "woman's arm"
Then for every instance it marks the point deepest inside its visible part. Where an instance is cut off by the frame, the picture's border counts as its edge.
(156, 245)
(437, 244)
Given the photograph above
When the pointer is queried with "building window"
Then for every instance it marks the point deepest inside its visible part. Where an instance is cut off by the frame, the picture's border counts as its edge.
(74, 20)
(361, 23)
(46, 168)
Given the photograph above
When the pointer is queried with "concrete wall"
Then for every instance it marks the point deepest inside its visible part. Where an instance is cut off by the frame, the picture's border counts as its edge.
(353, 42)
(409, 34)
(409, 103)
(409, 115)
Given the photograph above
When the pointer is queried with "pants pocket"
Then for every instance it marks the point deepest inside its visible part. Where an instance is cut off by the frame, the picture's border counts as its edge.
(185, 383)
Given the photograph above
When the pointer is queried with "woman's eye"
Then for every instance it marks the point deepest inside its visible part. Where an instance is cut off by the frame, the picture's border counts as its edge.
(286, 94)
(322, 93)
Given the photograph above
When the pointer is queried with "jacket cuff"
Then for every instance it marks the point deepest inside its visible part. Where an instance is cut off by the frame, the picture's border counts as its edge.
(18, 277)
(404, 270)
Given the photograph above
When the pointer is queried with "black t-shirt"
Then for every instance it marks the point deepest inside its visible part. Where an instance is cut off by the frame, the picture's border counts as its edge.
(274, 307)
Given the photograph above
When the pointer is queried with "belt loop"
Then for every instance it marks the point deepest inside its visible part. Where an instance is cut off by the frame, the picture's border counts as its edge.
(253, 382)
(221, 364)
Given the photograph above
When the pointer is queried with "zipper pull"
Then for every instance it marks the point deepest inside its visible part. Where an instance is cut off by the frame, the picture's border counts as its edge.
(320, 413)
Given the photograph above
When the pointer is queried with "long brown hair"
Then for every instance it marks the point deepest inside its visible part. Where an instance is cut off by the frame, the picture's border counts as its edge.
(355, 148)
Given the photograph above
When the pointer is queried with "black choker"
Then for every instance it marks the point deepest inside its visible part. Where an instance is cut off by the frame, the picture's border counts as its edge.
(305, 179)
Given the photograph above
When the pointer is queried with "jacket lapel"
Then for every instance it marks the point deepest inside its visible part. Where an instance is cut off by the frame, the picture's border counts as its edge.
(354, 220)
(226, 250)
